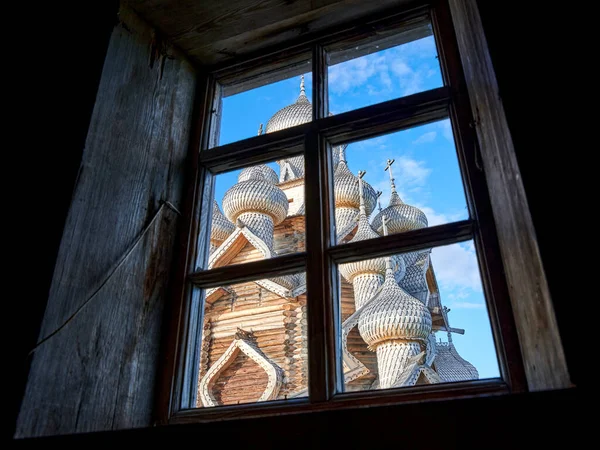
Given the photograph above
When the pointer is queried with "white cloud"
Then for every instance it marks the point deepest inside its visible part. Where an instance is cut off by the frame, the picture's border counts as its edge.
(434, 218)
(410, 175)
(456, 267)
(467, 305)
(409, 172)
(400, 71)
(356, 72)
(446, 129)
(425, 138)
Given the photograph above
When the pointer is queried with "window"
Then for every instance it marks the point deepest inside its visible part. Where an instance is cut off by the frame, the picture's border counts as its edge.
(300, 288)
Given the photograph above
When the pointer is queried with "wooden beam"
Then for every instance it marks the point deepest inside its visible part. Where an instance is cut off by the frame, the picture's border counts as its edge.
(256, 270)
(403, 242)
(539, 338)
(255, 150)
(347, 400)
(213, 32)
(363, 123)
(385, 117)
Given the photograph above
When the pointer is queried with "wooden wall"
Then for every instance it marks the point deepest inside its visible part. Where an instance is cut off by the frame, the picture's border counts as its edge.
(278, 327)
(98, 372)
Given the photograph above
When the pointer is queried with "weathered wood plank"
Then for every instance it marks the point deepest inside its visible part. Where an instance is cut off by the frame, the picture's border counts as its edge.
(540, 343)
(98, 372)
(213, 32)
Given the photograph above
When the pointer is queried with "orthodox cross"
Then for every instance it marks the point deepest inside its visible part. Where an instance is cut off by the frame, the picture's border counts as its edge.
(361, 173)
(388, 167)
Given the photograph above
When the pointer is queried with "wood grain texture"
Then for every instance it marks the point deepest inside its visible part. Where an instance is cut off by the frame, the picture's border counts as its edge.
(541, 347)
(98, 373)
(214, 32)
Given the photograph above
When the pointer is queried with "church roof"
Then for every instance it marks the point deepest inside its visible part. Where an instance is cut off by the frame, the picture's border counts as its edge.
(221, 228)
(451, 366)
(297, 113)
(256, 192)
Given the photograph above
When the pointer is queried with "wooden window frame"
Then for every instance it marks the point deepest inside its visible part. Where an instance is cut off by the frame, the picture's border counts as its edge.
(529, 349)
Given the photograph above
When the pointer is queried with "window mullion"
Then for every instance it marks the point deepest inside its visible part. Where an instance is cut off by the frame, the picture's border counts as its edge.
(318, 269)
(321, 336)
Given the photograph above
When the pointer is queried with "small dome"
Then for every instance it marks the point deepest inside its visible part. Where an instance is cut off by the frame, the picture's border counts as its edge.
(350, 270)
(344, 217)
(256, 193)
(347, 193)
(401, 217)
(338, 153)
(415, 280)
(220, 228)
(394, 314)
(260, 172)
(296, 164)
(452, 367)
(376, 265)
(295, 114)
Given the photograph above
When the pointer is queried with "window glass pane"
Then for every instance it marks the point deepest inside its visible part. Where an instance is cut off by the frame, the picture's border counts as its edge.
(415, 318)
(247, 110)
(373, 71)
(411, 176)
(258, 213)
(254, 342)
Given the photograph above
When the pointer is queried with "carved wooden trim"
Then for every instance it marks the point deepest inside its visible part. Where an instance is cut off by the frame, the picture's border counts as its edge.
(240, 344)
(541, 347)
(353, 367)
(228, 249)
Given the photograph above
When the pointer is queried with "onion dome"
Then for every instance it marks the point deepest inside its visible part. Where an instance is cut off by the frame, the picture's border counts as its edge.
(415, 280)
(255, 202)
(402, 217)
(256, 192)
(367, 275)
(347, 195)
(220, 228)
(394, 314)
(364, 231)
(295, 114)
(260, 172)
(396, 325)
(291, 168)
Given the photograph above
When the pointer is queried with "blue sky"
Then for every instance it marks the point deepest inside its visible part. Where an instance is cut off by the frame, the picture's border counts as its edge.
(425, 169)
